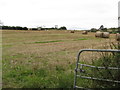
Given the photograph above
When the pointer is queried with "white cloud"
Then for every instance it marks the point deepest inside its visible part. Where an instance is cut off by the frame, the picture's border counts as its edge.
(69, 13)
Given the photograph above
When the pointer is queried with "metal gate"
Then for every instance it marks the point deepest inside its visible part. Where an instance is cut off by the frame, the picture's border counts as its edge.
(80, 73)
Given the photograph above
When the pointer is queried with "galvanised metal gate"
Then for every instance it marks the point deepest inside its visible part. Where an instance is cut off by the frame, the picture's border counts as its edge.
(79, 68)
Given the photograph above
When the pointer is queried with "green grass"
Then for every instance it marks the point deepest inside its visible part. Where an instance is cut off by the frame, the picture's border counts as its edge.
(60, 40)
(26, 73)
(6, 46)
(38, 78)
(81, 39)
(48, 41)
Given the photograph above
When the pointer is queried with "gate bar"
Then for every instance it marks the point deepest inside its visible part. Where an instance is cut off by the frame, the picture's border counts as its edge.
(93, 50)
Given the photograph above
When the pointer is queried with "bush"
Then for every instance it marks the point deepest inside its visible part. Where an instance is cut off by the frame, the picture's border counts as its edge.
(93, 29)
(63, 28)
(107, 60)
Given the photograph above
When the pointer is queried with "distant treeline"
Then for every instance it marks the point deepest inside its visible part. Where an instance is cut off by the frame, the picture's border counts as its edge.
(61, 28)
(25, 28)
(14, 28)
(111, 30)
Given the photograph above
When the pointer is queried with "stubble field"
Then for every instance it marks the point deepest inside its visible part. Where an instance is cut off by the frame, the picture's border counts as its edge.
(44, 59)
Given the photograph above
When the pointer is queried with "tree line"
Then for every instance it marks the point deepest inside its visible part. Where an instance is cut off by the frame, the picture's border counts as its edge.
(25, 28)
(111, 30)
(14, 28)
(102, 28)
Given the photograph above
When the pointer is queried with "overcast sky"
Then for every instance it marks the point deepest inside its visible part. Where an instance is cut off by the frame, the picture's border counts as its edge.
(74, 14)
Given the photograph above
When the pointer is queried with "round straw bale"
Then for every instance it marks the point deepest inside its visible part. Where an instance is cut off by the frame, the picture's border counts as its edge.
(118, 37)
(71, 31)
(84, 32)
(99, 34)
(106, 35)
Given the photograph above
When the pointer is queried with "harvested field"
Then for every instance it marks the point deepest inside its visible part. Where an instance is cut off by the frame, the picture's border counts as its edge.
(44, 58)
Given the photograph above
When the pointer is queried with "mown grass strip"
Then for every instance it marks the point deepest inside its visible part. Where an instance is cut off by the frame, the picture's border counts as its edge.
(48, 41)
(5, 45)
(81, 39)
(59, 40)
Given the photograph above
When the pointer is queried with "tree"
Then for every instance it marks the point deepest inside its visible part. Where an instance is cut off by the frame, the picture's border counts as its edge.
(93, 29)
(105, 29)
(63, 28)
(101, 27)
(118, 29)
